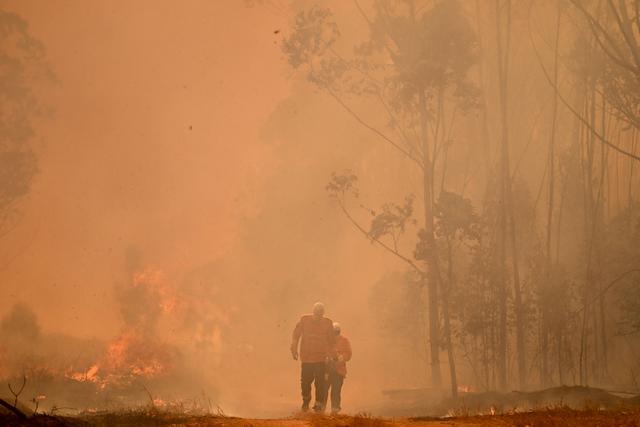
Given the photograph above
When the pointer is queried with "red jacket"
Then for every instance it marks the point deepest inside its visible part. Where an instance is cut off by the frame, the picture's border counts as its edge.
(341, 347)
(316, 338)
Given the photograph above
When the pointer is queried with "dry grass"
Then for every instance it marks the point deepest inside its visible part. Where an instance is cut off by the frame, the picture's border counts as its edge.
(40, 421)
(151, 418)
(359, 420)
(121, 418)
(561, 417)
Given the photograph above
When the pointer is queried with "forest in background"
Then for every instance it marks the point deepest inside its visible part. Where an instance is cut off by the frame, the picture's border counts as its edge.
(487, 147)
(518, 124)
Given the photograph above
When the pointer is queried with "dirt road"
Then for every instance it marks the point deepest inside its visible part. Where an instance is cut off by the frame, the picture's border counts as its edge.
(340, 422)
(540, 418)
(544, 418)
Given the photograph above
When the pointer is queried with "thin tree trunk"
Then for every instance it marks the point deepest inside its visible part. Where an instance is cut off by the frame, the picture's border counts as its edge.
(604, 164)
(447, 323)
(433, 268)
(508, 211)
(589, 227)
(549, 279)
(486, 140)
(634, 137)
(560, 331)
(502, 323)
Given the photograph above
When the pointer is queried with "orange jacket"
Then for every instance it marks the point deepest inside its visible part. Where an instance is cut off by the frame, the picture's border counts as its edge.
(316, 338)
(341, 347)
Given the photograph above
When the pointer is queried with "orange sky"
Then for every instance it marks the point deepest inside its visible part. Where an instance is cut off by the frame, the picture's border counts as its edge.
(158, 109)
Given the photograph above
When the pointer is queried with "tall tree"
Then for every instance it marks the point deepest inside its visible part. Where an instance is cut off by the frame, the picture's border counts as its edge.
(22, 61)
(415, 67)
(507, 217)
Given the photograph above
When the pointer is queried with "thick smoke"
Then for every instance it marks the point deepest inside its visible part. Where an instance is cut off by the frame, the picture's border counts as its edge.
(203, 183)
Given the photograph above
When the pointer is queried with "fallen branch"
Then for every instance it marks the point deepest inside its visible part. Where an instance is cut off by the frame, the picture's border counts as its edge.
(13, 409)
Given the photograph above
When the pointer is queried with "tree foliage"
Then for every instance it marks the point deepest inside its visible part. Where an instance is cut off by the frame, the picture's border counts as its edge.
(22, 62)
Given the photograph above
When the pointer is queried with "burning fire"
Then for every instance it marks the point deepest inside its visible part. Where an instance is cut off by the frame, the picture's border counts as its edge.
(156, 281)
(136, 352)
(465, 388)
(164, 326)
(90, 375)
(128, 357)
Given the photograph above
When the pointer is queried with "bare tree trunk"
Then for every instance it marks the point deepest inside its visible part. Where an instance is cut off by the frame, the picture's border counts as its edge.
(502, 323)
(508, 211)
(433, 268)
(634, 138)
(560, 331)
(485, 357)
(604, 164)
(545, 374)
(486, 140)
(447, 323)
(589, 210)
(441, 136)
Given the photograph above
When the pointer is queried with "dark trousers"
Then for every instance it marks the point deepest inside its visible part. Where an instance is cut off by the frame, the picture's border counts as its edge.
(335, 385)
(313, 373)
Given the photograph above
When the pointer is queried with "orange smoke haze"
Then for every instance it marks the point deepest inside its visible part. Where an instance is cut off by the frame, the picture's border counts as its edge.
(454, 181)
(210, 169)
(177, 158)
(154, 143)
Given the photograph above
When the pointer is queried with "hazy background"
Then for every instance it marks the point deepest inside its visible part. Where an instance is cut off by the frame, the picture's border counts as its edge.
(181, 196)
(158, 111)
(174, 135)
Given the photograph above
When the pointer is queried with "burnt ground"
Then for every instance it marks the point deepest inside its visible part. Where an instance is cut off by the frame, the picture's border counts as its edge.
(540, 418)
(560, 406)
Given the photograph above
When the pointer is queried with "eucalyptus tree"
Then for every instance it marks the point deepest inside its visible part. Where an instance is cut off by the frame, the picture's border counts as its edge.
(22, 61)
(457, 225)
(414, 65)
(613, 28)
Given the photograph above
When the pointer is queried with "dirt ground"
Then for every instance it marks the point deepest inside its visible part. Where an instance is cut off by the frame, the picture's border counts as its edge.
(534, 419)
(546, 418)
(541, 418)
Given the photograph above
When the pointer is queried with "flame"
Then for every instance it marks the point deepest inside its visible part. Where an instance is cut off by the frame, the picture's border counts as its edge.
(465, 388)
(90, 375)
(143, 349)
(135, 352)
(156, 280)
(117, 350)
(137, 356)
(126, 358)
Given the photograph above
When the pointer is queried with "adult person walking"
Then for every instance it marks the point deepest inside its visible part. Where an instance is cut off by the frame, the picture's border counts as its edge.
(315, 334)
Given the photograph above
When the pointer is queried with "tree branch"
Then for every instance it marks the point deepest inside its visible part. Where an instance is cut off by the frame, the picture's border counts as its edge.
(607, 288)
(596, 28)
(364, 15)
(372, 129)
(378, 241)
(622, 22)
(566, 103)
